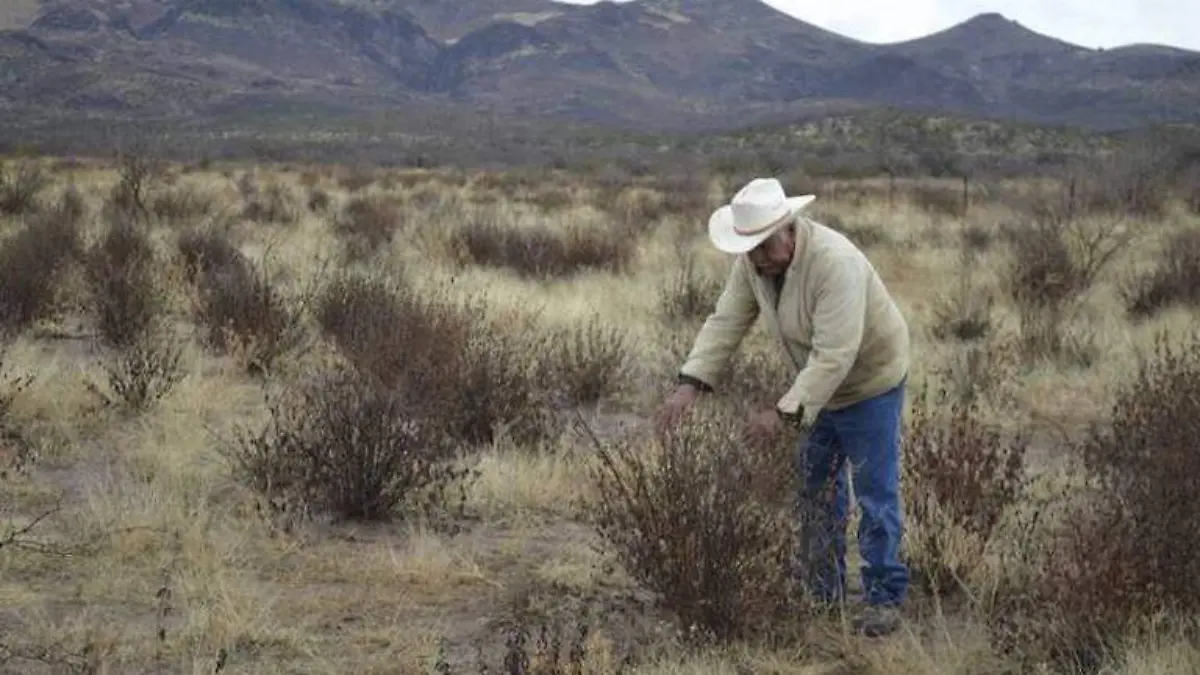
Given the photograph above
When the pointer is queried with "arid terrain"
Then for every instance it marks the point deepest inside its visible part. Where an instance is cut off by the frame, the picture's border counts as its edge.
(310, 419)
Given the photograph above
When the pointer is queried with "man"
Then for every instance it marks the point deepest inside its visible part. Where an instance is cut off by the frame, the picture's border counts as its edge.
(822, 298)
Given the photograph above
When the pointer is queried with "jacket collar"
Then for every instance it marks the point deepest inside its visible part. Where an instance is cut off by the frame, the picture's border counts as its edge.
(764, 288)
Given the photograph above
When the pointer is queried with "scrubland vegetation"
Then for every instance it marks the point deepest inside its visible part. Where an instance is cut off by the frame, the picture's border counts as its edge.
(265, 419)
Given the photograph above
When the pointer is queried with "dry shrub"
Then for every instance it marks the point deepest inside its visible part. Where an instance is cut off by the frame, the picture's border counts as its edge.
(205, 251)
(242, 311)
(125, 280)
(689, 294)
(20, 452)
(1131, 183)
(585, 362)
(1133, 555)
(961, 477)
(966, 313)
(696, 519)
(276, 203)
(986, 372)
(367, 224)
(1055, 262)
(757, 378)
(182, 204)
(633, 204)
(977, 237)
(1191, 190)
(556, 649)
(129, 198)
(142, 371)
(549, 198)
(942, 200)
(1122, 552)
(318, 200)
(357, 179)
(1175, 280)
(34, 260)
(345, 443)
(639, 206)
(20, 188)
(539, 252)
(474, 376)
(1135, 182)
(685, 193)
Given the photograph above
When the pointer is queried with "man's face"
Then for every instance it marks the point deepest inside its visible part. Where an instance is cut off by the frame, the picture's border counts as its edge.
(772, 257)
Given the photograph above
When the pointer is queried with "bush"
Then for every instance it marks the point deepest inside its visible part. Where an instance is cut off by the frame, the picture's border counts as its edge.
(689, 295)
(242, 311)
(541, 253)
(1055, 261)
(942, 200)
(961, 478)
(276, 203)
(129, 198)
(965, 314)
(33, 261)
(367, 224)
(1176, 279)
(345, 443)
(206, 251)
(586, 362)
(19, 189)
(1124, 551)
(698, 520)
(182, 205)
(471, 371)
(125, 275)
(142, 371)
(126, 283)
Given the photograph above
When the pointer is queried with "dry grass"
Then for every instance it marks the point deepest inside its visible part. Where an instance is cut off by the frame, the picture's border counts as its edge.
(169, 543)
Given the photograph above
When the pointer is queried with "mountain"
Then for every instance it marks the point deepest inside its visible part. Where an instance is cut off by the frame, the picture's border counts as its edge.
(646, 64)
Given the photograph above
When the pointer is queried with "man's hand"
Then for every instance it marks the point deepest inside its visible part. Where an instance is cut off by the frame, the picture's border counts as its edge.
(677, 404)
(764, 425)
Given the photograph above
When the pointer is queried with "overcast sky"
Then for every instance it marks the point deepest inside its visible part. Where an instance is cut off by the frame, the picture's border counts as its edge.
(1091, 23)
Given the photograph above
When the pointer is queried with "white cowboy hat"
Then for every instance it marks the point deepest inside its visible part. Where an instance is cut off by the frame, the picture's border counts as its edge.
(757, 210)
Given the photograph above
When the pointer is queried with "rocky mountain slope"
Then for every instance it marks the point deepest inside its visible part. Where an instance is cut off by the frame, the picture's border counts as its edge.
(652, 64)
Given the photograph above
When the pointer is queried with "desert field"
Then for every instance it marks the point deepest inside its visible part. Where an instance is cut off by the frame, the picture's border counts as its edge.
(307, 419)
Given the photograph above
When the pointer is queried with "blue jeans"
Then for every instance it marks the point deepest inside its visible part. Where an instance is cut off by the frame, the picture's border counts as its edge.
(868, 435)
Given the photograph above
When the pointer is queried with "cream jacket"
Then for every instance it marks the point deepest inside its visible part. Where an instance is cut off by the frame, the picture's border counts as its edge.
(835, 319)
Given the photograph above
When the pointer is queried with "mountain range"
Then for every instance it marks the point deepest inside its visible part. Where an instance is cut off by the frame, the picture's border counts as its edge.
(644, 64)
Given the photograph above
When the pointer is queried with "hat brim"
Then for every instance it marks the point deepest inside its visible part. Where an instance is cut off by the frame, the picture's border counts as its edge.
(727, 240)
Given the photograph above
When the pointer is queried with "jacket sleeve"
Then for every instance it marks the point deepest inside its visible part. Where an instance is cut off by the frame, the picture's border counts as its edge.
(839, 316)
(720, 336)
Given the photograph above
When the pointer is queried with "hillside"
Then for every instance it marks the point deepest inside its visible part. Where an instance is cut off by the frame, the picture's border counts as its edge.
(651, 65)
